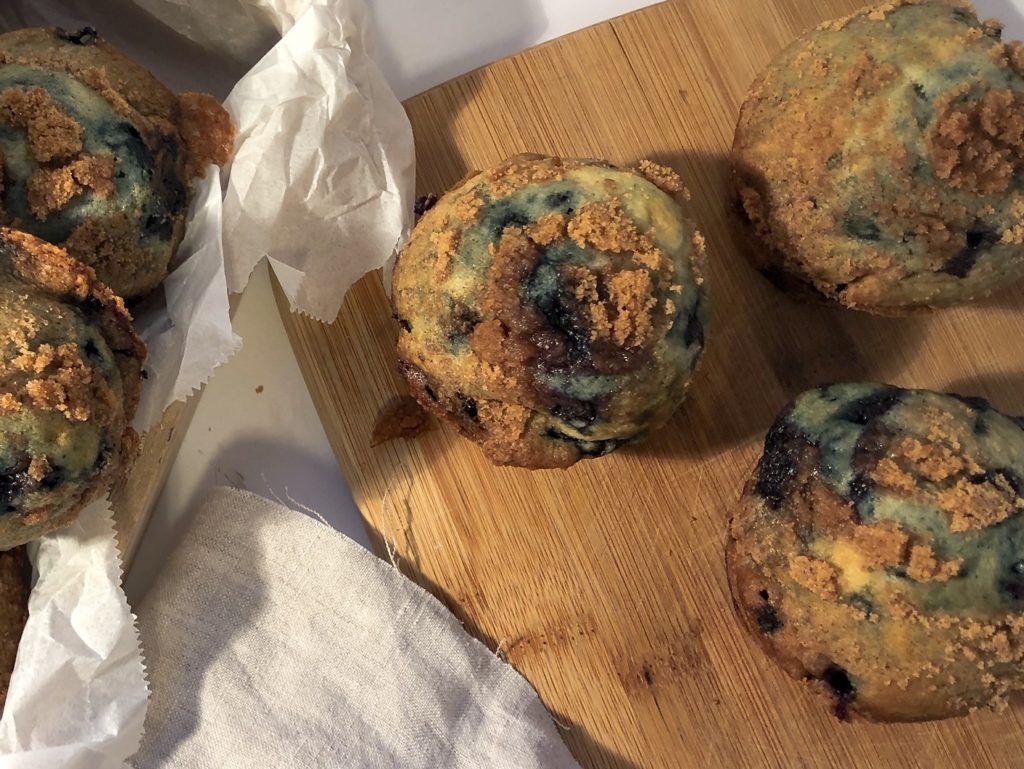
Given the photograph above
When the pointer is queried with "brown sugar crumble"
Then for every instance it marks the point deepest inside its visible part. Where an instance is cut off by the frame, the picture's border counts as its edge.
(547, 229)
(632, 293)
(662, 177)
(96, 79)
(521, 171)
(468, 206)
(62, 381)
(38, 467)
(9, 404)
(890, 475)
(51, 189)
(925, 567)
(52, 133)
(820, 577)
(977, 505)
(979, 145)
(447, 243)
(877, 13)
(882, 545)
(955, 481)
(513, 333)
(934, 460)
(606, 227)
(867, 77)
(585, 290)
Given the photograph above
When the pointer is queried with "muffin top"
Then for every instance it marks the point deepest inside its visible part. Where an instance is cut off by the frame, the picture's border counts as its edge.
(98, 156)
(881, 544)
(879, 157)
(70, 378)
(552, 309)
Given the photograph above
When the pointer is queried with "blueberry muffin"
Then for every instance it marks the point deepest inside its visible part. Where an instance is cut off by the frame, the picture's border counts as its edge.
(70, 377)
(98, 156)
(879, 550)
(552, 309)
(15, 583)
(879, 159)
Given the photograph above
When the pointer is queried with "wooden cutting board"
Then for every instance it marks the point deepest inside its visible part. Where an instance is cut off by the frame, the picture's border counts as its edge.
(604, 584)
(134, 498)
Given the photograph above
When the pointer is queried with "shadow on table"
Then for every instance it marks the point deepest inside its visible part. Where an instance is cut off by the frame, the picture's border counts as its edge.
(289, 476)
(1005, 390)
(585, 747)
(498, 28)
(764, 347)
(177, 61)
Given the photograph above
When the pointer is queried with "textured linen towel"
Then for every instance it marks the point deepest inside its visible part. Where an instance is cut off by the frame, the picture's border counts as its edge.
(274, 641)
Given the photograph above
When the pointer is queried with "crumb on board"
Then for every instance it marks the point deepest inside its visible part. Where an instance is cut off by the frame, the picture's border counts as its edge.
(403, 417)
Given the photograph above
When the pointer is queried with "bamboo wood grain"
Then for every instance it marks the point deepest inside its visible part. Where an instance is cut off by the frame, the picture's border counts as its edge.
(604, 584)
(135, 497)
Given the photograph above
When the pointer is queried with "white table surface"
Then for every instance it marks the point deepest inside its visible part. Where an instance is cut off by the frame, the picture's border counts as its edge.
(255, 426)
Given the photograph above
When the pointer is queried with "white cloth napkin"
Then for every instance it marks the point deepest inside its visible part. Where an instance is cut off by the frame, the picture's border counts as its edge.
(274, 641)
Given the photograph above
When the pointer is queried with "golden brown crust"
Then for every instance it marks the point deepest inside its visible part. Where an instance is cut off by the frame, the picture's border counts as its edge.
(113, 241)
(207, 131)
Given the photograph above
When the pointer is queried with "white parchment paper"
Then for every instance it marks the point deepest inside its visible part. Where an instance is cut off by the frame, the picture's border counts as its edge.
(78, 694)
(188, 328)
(323, 179)
(322, 184)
